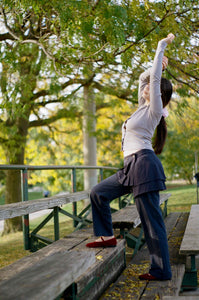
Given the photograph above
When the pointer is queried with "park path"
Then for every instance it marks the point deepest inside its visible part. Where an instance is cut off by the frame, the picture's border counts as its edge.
(31, 216)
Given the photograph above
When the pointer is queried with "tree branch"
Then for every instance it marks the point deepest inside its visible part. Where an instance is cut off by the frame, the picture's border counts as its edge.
(122, 94)
(15, 37)
(6, 36)
(61, 114)
(183, 82)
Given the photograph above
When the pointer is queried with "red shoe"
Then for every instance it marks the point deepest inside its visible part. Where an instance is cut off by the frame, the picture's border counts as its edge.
(103, 243)
(147, 276)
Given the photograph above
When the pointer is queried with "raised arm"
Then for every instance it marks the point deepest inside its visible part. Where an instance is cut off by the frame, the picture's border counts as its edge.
(143, 81)
(156, 73)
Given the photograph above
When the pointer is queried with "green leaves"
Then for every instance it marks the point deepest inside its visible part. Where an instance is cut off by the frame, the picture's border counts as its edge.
(106, 44)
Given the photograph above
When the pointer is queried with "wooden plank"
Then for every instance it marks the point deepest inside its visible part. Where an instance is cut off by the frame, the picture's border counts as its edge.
(128, 217)
(86, 232)
(190, 242)
(28, 261)
(164, 197)
(49, 278)
(157, 289)
(103, 258)
(125, 217)
(24, 208)
(175, 238)
(128, 285)
(110, 262)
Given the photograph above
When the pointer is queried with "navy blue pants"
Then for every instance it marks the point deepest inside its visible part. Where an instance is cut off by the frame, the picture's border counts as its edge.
(150, 215)
(155, 234)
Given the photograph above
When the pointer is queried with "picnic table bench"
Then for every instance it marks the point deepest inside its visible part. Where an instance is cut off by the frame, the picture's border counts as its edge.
(48, 277)
(127, 219)
(32, 240)
(65, 266)
(190, 247)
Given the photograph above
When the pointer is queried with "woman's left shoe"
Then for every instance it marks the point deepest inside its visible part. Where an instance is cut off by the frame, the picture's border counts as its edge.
(148, 276)
(103, 243)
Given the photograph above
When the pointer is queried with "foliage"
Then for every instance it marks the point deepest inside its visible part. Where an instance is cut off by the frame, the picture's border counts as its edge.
(183, 141)
(59, 41)
(62, 145)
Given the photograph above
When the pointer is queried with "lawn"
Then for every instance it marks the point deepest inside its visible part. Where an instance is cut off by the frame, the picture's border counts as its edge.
(31, 196)
(182, 198)
(12, 245)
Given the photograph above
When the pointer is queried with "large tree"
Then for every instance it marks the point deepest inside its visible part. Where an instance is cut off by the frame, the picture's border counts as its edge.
(64, 47)
(36, 72)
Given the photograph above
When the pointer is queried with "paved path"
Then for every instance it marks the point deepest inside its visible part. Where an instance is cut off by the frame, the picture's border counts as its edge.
(31, 216)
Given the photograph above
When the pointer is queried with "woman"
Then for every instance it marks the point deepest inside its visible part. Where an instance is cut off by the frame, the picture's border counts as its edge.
(143, 173)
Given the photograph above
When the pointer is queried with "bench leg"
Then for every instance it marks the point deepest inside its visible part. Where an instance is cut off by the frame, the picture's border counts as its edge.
(139, 242)
(164, 211)
(56, 222)
(190, 277)
(133, 241)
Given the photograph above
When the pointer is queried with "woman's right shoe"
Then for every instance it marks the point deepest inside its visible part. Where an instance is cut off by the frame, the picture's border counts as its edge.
(103, 243)
(147, 276)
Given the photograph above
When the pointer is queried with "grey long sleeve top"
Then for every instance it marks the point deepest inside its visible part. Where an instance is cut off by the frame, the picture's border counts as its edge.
(138, 130)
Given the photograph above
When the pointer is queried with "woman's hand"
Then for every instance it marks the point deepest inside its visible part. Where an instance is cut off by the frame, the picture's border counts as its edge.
(169, 39)
(164, 63)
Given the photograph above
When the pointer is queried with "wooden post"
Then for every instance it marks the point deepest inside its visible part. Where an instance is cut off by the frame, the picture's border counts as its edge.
(74, 189)
(56, 223)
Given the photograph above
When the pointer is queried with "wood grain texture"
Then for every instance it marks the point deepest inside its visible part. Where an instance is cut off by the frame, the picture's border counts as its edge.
(108, 265)
(128, 285)
(169, 287)
(128, 217)
(28, 261)
(49, 278)
(190, 242)
(110, 262)
(8, 211)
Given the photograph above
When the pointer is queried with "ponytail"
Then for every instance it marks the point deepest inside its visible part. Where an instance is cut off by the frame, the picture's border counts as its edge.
(160, 136)
(161, 130)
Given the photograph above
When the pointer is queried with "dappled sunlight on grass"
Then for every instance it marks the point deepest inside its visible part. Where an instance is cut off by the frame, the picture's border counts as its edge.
(12, 248)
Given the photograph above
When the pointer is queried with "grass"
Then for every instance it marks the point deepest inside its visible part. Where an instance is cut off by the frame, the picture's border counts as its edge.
(12, 245)
(31, 196)
(182, 198)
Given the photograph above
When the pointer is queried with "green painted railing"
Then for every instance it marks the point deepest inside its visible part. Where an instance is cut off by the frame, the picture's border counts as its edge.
(24, 187)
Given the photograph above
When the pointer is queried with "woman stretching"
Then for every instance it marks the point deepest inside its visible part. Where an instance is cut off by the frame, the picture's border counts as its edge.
(143, 174)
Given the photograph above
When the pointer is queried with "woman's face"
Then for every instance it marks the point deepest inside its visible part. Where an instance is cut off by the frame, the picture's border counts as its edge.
(146, 92)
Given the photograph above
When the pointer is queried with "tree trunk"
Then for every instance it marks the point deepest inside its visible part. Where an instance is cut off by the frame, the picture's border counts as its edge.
(89, 138)
(15, 155)
(13, 194)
